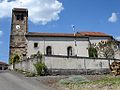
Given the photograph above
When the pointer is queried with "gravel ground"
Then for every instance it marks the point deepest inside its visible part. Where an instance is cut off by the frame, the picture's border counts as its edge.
(52, 81)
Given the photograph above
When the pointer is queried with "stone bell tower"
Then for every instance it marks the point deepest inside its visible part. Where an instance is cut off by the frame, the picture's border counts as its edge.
(19, 28)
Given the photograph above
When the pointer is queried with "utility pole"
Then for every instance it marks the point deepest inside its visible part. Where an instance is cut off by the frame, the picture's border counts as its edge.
(75, 42)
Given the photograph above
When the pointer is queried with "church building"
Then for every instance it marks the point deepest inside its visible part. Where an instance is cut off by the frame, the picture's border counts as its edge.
(25, 43)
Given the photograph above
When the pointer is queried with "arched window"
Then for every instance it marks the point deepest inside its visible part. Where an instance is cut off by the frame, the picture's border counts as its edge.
(69, 51)
(18, 17)
(22, 17)
(49, 50)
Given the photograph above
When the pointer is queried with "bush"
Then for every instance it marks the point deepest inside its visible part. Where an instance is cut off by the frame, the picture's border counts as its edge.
(29, 74)
(19, 70)
(40, 68)
(92, 52)
(14, 59)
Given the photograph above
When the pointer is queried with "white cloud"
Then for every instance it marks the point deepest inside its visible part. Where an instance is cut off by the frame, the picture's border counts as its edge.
(40, 11)
(113, 18)
(1, 33)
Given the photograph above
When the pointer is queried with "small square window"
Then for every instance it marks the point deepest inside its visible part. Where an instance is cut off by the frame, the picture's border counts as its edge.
(35, 45)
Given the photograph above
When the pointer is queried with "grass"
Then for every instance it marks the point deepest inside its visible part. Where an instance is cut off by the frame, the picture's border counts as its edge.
(112, 80)
(106, 83)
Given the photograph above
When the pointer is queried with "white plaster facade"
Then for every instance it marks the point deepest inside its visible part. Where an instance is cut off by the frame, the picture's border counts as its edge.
(98, 39)
(59, 45)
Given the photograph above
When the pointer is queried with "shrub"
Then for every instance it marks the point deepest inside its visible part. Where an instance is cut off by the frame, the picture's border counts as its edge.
(29, 74)
(14, 59)
(40, 68)
(92, 52)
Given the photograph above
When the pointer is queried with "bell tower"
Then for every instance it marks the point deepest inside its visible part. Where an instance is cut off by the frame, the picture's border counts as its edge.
(19, 28)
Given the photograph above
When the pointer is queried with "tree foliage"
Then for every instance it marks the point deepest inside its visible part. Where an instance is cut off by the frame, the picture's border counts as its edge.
(92, 52)
(106, 49)
(14, 59)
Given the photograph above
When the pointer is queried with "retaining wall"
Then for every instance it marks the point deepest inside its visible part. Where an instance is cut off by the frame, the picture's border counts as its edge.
(68, 65)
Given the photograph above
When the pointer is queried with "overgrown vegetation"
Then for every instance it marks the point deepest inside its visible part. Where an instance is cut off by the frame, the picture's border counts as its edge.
(106, 49)
(40, 65)
(92, 52)
(14, 59)
(115, 68)
(30, 74)
(40, 68)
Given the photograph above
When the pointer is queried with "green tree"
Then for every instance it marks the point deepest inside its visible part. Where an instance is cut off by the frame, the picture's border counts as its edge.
(14, 59)
(92, 52)
(107, 49)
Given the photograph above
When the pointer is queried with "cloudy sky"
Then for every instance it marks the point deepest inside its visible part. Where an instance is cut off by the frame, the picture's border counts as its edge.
(59, 15)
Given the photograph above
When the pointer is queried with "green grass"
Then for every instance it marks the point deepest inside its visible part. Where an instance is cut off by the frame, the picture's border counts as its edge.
(73, 80)
(106, 82)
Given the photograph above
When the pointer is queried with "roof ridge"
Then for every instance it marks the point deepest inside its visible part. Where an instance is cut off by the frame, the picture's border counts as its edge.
(78, 34)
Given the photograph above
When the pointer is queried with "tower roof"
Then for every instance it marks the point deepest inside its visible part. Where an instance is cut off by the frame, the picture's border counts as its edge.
(20, 9)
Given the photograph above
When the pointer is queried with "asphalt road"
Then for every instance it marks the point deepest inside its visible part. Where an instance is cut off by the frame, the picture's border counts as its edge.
(14, 81)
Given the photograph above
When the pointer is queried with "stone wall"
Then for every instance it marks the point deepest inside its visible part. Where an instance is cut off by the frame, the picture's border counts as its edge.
(68, 65)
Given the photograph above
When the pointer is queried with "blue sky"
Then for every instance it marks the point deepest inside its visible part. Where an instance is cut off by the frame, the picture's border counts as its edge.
(86, 15)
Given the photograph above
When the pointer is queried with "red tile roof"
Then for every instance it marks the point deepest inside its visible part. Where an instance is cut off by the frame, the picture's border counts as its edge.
(78, 34)
(3, 63)
(53, 34)
(93, 34)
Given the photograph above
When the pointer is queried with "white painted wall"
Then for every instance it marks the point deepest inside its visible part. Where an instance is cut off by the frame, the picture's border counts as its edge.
(98, 39)
(59, 45)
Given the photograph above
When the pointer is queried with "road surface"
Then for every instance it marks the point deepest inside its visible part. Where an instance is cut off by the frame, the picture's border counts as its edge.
(13, 81)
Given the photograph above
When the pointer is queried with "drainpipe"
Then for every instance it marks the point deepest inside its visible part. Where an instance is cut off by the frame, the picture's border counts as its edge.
(89, 45)
(44, 44)
(89, 41)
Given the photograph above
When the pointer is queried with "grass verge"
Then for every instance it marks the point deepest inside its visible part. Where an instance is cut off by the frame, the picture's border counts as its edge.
(106, 83)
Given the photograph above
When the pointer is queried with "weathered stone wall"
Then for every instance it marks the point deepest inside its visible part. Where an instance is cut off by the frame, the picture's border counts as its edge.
(26, 65)
(68, 65)
(17, 36)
